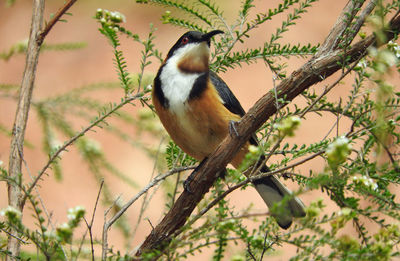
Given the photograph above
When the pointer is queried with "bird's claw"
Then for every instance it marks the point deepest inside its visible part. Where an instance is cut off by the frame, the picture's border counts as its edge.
(232, 128)
(186, 185)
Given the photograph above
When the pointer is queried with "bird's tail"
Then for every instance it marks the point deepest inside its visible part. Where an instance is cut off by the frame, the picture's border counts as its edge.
(273, 191)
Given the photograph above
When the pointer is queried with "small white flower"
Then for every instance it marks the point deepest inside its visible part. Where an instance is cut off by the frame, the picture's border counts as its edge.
(338, 150)
(92, 146)
(50, 234)
(117, 17)
(344, 212)
(288, 125)
(370, 183)
(366, 181)
(362, 64)
(373, 51)
(395, 48)
(1, 162)
(388, 57)
(64, 226)
(55, 144)
(73, 212)
(10, 212)
(253, 149)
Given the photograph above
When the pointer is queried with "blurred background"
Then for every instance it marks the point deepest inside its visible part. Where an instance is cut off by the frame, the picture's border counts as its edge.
(61, 71)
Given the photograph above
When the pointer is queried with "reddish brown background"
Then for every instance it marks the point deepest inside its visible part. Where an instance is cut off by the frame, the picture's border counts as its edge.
(61, 71)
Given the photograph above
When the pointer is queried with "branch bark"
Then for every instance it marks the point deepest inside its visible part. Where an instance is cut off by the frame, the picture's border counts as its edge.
(36, 37)
(322, 65)
(18, 135)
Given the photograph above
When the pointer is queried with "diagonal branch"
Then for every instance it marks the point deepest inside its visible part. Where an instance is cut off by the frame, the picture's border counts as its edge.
(72, 140)
(54, 20)
(338, 31)
(325, 63)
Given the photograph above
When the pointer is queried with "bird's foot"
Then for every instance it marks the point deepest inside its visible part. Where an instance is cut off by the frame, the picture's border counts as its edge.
(232, 128)
(188, 181)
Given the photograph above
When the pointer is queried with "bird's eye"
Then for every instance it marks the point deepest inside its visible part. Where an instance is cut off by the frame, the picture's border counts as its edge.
(185, 40)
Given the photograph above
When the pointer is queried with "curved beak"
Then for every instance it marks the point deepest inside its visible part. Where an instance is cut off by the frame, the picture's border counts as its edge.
(207, 36)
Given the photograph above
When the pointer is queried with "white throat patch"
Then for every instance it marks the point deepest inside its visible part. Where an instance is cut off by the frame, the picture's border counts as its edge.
(177, 85)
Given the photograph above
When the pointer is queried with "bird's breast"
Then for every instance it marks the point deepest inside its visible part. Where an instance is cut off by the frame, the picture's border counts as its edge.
(196, 125)
(176, 85)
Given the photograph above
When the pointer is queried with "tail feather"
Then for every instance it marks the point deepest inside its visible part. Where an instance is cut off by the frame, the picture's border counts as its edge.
(273, 191)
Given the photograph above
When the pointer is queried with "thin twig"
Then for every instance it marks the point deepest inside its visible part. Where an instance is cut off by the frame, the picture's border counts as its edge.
(241, 184)
(361, 18)
(154, 182)
(42, 204)
(107, 224)
(14, 236)
(144, 205)
(77, 136)
(54, 20)
(335, 36)
(265, 248)
(250, 253)
(90, 226)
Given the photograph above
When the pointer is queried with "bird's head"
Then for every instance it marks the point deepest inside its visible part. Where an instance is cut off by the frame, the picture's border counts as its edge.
(191, 52)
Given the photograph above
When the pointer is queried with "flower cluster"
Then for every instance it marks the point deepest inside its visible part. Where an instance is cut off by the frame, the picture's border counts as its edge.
(315, 208)
(338, 151)
(91, 147)
(344, 215)
(395, 48)
(366, 181)
(64, 231)
(75, 215)
(109, 18)
(288, 126)
(12, 214)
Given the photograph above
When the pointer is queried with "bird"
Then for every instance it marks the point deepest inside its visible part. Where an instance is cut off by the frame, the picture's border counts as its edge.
(197, 109)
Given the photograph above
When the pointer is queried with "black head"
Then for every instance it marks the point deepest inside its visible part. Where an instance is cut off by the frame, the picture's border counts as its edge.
(193, 37)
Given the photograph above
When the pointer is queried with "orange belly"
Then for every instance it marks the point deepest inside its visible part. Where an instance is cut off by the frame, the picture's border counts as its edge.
(200, 125)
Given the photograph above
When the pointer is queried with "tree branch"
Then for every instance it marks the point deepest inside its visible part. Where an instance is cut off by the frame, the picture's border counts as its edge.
(108, 223)
(18, 134)
(337, 32)
(326, 62)
(54, 20)
(36, 37)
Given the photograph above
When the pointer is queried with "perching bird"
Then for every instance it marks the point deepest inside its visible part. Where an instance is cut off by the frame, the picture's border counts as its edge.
(196, 107)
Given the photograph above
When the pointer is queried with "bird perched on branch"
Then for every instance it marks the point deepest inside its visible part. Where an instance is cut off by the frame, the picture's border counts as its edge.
(197, 108)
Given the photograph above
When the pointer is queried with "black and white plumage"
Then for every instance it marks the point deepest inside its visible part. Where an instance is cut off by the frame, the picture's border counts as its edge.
(196, 107)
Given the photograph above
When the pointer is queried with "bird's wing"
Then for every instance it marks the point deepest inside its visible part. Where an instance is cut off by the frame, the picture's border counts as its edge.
(227, 96)
(229, 100)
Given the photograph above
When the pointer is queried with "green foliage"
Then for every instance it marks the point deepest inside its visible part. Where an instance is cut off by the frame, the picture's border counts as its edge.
(56, 114)
(359, 149)
(351, 175)
(9, 2)
(108, 21)
(20, 48)
(50, 242)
